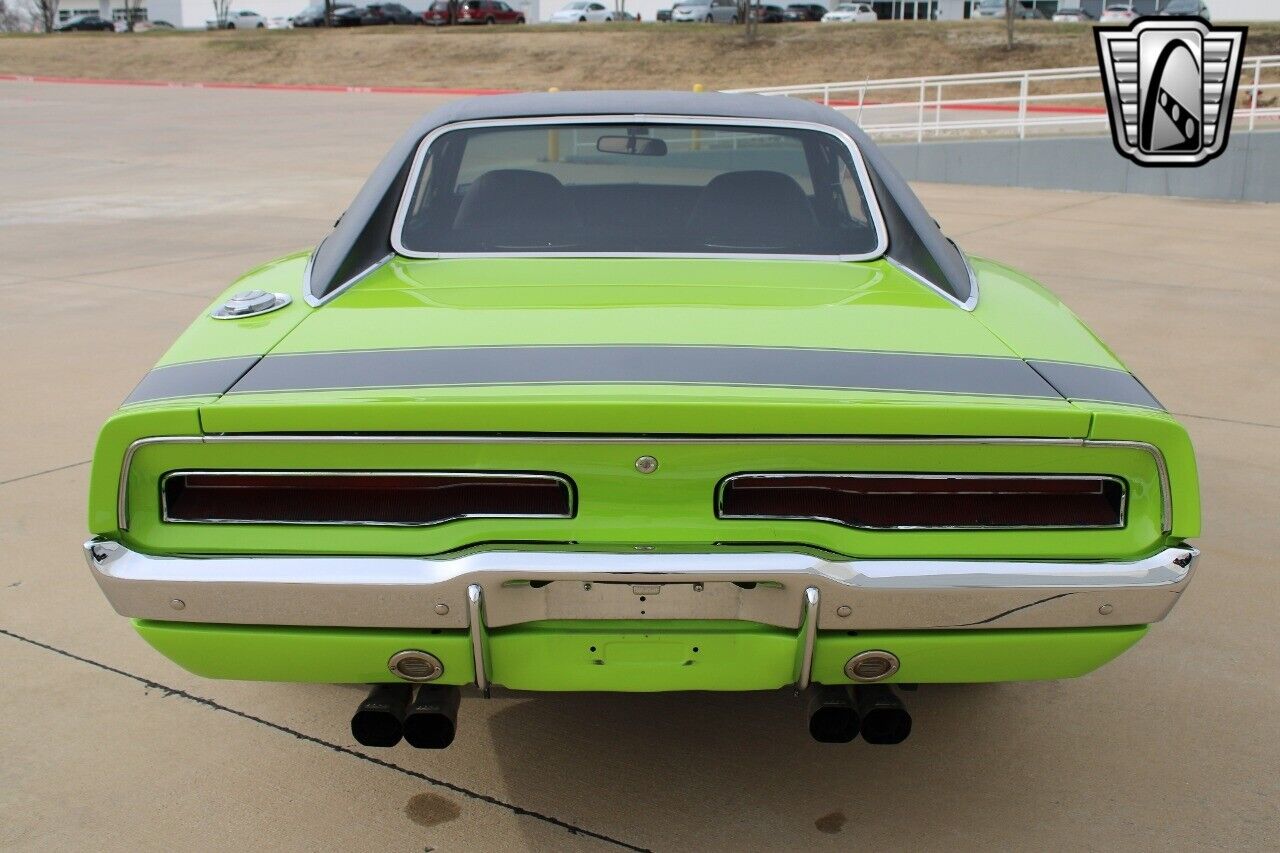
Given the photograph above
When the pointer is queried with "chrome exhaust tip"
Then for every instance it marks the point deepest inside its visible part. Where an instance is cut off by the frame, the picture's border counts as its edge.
(432, 719)
(832, 718)
(884, 718)
(379, 721)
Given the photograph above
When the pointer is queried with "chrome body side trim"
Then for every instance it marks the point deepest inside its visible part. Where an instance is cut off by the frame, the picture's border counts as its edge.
(316, 302)
(766, 587)
(969, 304)
(915, 475)
(122, 503)
(564, 481)
(972, 302)
(864, 182)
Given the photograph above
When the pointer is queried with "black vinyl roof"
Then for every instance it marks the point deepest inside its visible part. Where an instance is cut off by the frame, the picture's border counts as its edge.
(362, 237)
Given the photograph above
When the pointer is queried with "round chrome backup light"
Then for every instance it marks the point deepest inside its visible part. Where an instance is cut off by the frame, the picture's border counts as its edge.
(250, 303)
(872, 665)
(413, 665)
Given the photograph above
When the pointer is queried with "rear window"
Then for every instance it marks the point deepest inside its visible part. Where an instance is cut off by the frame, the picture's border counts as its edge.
(583, 189)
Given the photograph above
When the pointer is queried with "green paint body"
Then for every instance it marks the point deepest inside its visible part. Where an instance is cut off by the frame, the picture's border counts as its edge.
(479, 302)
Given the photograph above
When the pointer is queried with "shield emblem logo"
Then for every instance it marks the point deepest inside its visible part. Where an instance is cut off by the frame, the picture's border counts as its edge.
(1171, 88)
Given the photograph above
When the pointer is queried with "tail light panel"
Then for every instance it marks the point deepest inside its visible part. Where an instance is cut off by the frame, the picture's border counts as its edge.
(928, 502)
(361, 498)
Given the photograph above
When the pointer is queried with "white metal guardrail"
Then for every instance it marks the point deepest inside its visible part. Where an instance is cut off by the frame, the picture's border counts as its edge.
(1006, 103)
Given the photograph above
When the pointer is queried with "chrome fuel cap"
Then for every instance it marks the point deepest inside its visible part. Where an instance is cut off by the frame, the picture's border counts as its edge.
(250, 303)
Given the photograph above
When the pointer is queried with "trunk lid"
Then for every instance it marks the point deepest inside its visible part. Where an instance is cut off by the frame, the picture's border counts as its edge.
(643, 346)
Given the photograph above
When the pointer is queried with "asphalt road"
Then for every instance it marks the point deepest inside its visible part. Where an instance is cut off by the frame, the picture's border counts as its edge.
(123, 211)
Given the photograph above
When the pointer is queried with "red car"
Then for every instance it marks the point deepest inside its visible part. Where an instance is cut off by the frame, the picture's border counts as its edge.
(488, 12)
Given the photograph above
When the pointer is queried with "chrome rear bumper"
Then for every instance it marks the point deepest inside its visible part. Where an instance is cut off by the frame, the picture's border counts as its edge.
(784, 589)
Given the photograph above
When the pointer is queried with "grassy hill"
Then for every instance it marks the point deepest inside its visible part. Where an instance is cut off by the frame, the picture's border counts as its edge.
(577, 57)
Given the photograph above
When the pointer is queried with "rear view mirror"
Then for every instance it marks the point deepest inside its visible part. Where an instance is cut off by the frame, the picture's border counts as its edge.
(645, 146)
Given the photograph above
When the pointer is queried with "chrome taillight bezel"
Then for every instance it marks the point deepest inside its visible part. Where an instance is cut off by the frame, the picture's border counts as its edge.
(561, 481)
(1121, 504)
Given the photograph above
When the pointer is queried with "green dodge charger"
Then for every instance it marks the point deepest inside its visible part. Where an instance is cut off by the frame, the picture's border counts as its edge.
(639, 391)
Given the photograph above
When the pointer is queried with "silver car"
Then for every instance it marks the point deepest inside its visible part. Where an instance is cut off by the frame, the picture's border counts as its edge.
(706, 11)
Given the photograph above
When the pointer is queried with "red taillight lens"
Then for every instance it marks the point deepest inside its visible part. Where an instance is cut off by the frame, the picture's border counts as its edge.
(337, 498)
(903, 501)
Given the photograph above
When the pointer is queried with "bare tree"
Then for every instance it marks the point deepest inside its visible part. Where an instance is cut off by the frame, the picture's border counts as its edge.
(11, 20)
(47, 12)
(132, 13)
(220, 9)
(750, 18)
(1009, 6)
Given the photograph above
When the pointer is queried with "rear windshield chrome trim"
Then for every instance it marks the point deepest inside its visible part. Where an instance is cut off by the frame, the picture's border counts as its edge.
(864, 181)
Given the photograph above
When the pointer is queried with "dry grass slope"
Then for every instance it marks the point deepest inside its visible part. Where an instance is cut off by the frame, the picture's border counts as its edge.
(597, 57)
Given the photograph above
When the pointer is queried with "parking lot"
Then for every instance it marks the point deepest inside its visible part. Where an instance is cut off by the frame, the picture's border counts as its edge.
(124, 211)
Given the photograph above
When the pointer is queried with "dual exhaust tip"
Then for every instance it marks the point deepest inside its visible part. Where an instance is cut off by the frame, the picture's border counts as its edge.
(391, 712)
(839, 714)
(429, 719)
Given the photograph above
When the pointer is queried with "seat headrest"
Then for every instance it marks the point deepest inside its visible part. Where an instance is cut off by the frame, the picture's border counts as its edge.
(752, 207)
(519, 198)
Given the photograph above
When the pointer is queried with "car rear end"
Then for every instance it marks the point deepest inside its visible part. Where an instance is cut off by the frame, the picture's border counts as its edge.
(628, 471)
(437, 14)
(695, 12)
(609, 561)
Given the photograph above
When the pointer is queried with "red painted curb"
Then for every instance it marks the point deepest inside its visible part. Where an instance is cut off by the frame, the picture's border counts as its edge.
(285, 87)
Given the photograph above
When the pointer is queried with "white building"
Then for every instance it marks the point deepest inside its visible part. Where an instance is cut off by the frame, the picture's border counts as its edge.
(184, 14)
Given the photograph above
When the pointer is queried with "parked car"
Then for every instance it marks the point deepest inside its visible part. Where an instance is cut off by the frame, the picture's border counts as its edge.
(705, 12)
(437, 14)
(313, 15)
(851, 13)
(488, 12)
(85, 24)
(376, 14)
(349, 16)
(582, 12)
(1196, 8)
(242, 20)
(769, 14)
(663, 16)
(1118, 14)
(758, 425)
(1071, 14)
(804, 12)
(996, 9)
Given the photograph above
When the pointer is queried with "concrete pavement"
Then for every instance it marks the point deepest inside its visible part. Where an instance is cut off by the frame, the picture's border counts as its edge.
(122, 211)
